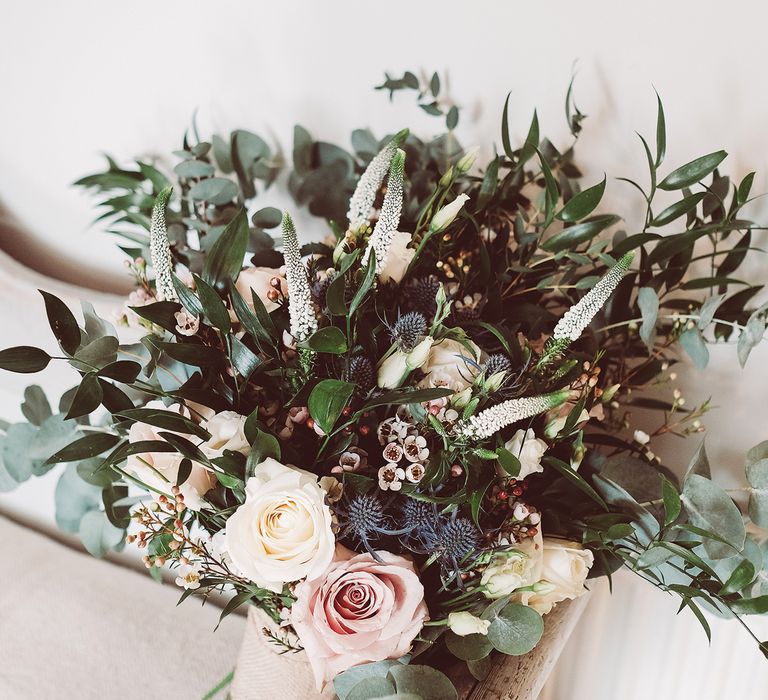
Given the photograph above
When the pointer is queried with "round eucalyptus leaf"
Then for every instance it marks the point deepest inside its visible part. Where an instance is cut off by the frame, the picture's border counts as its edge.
(347, 680)
(7, 482)
(74, 498)
(422, 681)
(711, 509)
(371, 688)
(15, 451)
(516, 629)
(54, 434)
(214, 190)
(469, 647)
(98, 534)
(194, 168)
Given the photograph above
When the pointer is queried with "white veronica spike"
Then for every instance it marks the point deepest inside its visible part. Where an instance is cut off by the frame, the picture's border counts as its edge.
(389, 216)
(160, 249)
(370, 181)
(300, 308)
(573, 323)
(495, 418)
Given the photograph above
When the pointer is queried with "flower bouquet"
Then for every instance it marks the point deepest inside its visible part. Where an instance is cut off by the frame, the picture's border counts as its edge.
(406, 442)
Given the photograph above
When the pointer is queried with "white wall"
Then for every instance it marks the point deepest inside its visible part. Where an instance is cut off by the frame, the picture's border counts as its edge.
(79, 78)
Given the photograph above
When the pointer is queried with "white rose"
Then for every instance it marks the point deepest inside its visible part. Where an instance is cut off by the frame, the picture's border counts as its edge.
(282, 532)
(448, 365)
(464, 623)
(516, 568)
(159, 470)
(529, 450)
(227, 433)
(399, 257)
(259, 280)
(565, 568)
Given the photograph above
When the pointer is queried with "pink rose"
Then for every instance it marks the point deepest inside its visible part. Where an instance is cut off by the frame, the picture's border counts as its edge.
(359, 611)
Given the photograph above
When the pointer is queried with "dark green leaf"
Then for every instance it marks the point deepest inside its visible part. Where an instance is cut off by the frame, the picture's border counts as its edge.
(35, 407)
(661, 133)
(268, 217)
(193, 354)
(672, 505)
(225, 258)
(24, 359)
(124, 371)
(691, 173)
(508, 461)
(187, 298)
(750, 606)
(582, 204)
(213, 306)
(571, 237)
(168, 420)
(87, 397)
(329, 339)
(327, 400)
(89, 446)
(741, 577)
(62, 322)
(365, 285)
(244, 360)
(677, 209)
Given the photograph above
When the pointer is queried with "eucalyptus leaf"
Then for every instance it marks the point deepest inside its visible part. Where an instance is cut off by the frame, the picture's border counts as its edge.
(215, 190)
(515, 630)
(648, 302)
(422, 681)
(35, 407)
(98, 534)
(693, 343)
(710, 508)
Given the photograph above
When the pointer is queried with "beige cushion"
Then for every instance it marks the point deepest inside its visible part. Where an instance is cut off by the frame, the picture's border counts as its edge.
(72, 626)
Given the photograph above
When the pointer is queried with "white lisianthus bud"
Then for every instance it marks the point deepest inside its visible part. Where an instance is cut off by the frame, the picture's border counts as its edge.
(641, 437)
(464, 623)
(462, 398)
(447, 214)
(466, 162)
(393, 370)
(419, 355)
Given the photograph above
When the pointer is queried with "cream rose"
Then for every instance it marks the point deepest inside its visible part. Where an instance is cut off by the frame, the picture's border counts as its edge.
(282, 532)
(565, 568)
(529, 450)
(447, 366)
(399, 257)
(360, 610)
(259, 280)
(395, 368)
(516, 568)
(159, 470)
(227, 431)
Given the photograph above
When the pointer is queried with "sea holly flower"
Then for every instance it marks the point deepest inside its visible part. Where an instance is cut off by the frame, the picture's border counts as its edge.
(496, 418)
(362, 200)
(160, 249)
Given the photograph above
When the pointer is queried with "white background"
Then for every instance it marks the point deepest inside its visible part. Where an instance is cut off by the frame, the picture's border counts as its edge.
(79, 78)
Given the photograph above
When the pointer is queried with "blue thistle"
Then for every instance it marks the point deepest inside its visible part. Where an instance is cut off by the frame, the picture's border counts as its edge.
(408, 330)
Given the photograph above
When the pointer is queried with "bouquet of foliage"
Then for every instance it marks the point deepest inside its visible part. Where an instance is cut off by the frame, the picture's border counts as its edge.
(407, 442)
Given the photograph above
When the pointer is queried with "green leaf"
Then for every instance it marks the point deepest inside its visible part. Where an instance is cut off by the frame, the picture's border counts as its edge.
(268, 217)
(89, 446)
(124, 371)
(582, 204)
(248, 316)
(187, 298)
(87, 397)
(480, 668)
(62, 322)
(168, 420)
(741, 577)
(371, 688)
(515, 630)
(101, 351)
(572, 236)
(214, 190)
(661, 133)
(329, 339)
(470, 647)
(710, 508)
(509, 463)
(244, 360)
(264, 446)
(648, 302)
(750, 337)
(213, 306)
(672, 505)
(505, 142)
(708, 310)
(345, 681)
(691, 173)
(225, 258)
(54, 434)
(74, 498)
(193, 354)
(750, 606)
(98, 534)
(24, 359)
(531, 144)
(576, 479)
(422, 681)
(15, 451)
(757, 476)
(452, 118)
(489, 184)
(403, 396)
(693, 343)
(365, 285)
(35, 407)
(327, 400)
(673, 211)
